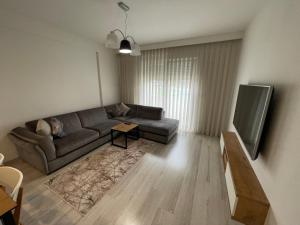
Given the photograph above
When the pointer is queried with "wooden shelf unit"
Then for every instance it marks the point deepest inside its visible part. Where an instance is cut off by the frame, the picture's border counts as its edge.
(248, 202)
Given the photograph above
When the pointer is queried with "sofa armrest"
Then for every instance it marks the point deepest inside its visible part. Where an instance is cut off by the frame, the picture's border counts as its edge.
(148, 112)
(45, 142)
(31, 153)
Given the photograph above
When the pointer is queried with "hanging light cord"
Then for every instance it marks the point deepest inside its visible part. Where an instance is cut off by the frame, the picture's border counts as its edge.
(126, 16)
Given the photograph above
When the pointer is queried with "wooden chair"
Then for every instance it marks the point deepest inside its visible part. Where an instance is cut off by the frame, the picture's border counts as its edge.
(11, 180)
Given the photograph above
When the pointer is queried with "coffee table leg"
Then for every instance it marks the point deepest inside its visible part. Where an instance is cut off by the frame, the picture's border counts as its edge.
(112, 140)
(111, 137)
(137, 132)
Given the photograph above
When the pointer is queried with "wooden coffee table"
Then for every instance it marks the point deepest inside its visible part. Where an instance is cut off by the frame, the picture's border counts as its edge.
(129, 130)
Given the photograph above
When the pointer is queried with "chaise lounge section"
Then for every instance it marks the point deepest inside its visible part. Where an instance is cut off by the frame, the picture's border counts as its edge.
(84, 131)
(152, 123)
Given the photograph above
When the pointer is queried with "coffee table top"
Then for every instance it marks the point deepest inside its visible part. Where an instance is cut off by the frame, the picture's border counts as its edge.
(124, 127)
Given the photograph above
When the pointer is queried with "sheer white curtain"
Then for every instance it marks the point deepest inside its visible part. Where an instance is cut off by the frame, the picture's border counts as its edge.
(192, 83)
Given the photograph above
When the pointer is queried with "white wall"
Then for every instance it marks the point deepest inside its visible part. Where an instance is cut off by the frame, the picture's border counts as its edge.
(110, 76)
(45, 71)
(271, 55)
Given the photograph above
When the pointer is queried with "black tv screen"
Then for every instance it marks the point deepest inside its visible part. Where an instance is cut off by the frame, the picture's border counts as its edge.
(250, 114)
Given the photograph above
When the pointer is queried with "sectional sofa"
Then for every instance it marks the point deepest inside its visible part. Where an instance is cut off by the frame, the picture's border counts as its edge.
(84, 131)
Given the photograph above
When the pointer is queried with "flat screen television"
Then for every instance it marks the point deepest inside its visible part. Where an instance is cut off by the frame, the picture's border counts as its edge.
(250, 115)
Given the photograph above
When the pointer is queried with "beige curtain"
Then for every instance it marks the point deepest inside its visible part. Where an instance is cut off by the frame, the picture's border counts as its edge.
(192, 83)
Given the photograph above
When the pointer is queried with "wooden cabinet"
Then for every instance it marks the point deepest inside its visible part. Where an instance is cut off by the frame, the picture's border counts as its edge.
(248, 202)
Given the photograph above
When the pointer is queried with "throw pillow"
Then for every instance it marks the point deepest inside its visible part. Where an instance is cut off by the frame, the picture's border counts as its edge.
(124, 109)
(116, 112)
(57, 127)
(43, 128)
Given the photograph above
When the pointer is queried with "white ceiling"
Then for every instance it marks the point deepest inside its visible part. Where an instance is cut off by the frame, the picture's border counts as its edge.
(149, 21)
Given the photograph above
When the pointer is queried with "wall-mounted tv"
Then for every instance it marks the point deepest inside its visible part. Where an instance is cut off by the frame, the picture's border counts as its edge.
(250, 114)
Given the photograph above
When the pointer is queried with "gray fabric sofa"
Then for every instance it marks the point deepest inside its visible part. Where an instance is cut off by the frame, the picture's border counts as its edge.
(152, 123)
(84, 131)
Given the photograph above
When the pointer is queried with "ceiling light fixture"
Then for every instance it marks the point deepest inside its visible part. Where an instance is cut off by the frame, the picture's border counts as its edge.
(127, 45)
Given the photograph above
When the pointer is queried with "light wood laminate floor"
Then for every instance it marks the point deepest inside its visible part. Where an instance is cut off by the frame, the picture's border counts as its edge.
(180, 184)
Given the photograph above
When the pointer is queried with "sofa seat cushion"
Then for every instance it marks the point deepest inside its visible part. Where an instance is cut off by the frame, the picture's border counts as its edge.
(163, 127)
(105, 127)
(74, 141)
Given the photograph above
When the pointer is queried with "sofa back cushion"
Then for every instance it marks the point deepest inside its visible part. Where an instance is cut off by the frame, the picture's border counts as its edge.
(71, 123)
(133, 110)
(31, 125)
(109, 109)
(92, 117)
(148, 112)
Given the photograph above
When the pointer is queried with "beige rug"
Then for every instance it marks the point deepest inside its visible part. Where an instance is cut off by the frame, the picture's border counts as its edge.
(86, 181)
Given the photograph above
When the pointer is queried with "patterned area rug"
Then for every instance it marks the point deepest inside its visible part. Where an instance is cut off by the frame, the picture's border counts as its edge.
(85, 182)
